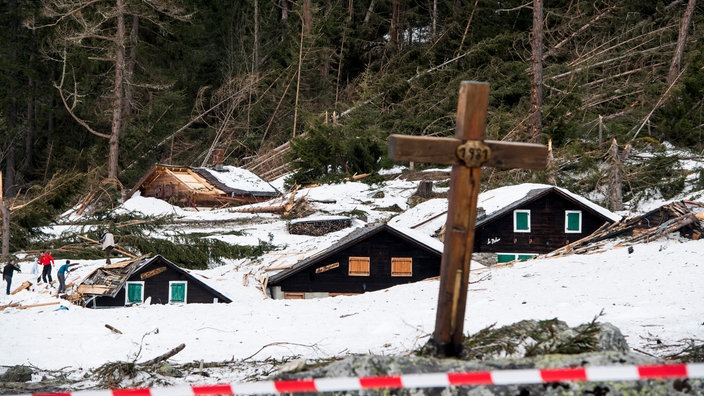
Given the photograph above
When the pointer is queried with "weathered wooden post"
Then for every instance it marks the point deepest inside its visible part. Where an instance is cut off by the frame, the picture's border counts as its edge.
(467, 153)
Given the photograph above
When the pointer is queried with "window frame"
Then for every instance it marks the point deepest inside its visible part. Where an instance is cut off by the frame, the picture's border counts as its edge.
(185, 292)
(515, 218)
(572, 212)
(400, 261)
(361, 260)
(516, 257)
(127, 292)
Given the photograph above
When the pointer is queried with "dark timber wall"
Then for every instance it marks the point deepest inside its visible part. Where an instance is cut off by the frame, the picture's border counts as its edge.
(380, 248)
(547, 217)
(157, 287)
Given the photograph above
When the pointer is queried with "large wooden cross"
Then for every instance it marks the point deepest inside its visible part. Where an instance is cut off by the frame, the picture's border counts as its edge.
(467, 153)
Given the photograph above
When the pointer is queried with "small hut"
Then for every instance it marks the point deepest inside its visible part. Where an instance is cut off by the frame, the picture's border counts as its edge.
(370, 258)
(155, 280)
(195, 186)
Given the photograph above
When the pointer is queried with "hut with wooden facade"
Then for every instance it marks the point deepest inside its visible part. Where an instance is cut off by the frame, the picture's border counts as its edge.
(370, 258)
(522, 221)
(197, 186)
(155, 280)
(683, 219)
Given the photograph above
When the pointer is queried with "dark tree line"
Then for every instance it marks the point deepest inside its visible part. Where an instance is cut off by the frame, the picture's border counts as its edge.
(105, 89)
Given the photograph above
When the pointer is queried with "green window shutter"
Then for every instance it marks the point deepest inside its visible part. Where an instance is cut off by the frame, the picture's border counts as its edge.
(573, 221)
(521, 220)
(134, 292)
(523, 257)
(504, 258)
(178, 292)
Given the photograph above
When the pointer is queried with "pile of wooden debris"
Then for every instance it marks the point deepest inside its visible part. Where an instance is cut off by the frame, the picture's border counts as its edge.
(682, 217)
(318, 226)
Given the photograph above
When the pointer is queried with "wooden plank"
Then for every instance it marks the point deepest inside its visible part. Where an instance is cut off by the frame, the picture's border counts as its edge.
(154, 272)
(442, 151)
(23, 286)
(92, 289)
(325, 268)
(29, 306)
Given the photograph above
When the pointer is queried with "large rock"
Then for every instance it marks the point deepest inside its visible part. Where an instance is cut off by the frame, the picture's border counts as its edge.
(17, 374)
(363, 366)
(527, 344)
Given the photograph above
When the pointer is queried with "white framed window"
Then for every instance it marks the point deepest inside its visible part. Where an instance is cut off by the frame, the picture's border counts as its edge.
(178, 292)
(573, 221)
(134, 292)
(521, 220)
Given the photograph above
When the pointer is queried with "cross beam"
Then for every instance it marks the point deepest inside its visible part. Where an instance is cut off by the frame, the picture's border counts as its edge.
(467, 153)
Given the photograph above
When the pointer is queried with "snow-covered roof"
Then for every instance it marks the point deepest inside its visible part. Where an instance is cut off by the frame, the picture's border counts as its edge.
(238, 179)
(493, 201)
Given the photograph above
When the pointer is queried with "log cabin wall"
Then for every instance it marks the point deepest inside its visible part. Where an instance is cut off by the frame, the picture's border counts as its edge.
(547, 228)
(165, 187)
(380, 248)
(157, 287)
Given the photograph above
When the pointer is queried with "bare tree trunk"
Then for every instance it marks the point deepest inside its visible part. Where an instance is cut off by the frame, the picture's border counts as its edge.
(370, 11)
(601, 128)
(5, 223)
(551, 165)
(118, 92)
(255, 41)
(284, 10)
(11, 110)
(255, 62)
(30, 130)
(307, 16)
(395, 31)
(676, 64)
(298, 82)
(615, 178)
(466, 28)
(341, 55)
(536, 82)
(434, 18)
(130, 64)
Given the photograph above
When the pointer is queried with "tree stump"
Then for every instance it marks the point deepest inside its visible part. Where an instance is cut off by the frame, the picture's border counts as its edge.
(425, 189)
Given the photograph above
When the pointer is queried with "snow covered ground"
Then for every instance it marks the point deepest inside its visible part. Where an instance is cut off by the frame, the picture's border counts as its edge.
(654, 295)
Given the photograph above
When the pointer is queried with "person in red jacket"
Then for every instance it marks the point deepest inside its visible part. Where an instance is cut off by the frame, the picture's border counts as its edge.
(46, 261)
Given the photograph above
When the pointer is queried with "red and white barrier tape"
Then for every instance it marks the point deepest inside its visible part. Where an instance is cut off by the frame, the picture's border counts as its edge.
(431, 380)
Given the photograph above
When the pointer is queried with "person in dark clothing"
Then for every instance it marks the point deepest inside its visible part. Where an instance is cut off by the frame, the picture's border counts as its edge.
(46, 261)
(7, 272)
(61, 274)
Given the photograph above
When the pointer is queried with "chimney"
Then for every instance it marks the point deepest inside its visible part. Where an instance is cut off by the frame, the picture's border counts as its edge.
(218, 157)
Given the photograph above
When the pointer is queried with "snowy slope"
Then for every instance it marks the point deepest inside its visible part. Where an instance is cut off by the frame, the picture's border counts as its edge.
(651, 294)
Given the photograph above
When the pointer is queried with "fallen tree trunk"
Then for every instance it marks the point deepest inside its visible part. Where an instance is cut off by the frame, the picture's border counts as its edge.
(115, 249)
(164, 356)
(2, 307)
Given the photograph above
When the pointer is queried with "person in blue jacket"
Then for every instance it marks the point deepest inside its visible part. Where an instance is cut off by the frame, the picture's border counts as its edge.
(61, 274)
(7, 272)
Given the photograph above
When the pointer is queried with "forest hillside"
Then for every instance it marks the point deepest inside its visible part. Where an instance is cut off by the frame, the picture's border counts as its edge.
(94, 93)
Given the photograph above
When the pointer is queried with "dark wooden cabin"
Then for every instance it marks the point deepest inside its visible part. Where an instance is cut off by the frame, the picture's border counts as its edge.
(154, 279)
(371, 258)
(192, 186)
(539, 221)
